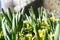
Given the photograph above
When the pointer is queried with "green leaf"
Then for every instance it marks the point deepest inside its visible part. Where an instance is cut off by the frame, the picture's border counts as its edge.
(31, 11)
(40, 13)
(20, 23)
(14, 28)
(0, 25)
(7, 18)
(57, 31)
(10, 13)
(6, 32)
(46, 34)
(36, 33)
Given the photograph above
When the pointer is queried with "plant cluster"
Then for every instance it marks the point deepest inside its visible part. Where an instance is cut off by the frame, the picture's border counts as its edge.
(20, 26)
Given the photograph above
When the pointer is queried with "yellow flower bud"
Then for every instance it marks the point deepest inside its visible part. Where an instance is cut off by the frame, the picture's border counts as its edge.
(41, 33)
(52, 18)
(43, 30)
(25, 22)
(49, 35)
(27, 25)
(42, 20)
(0, 35)
(29, 35)
(44, 24)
